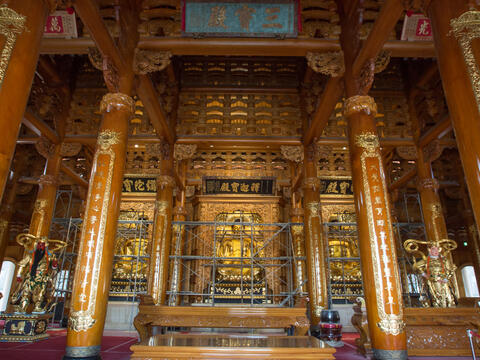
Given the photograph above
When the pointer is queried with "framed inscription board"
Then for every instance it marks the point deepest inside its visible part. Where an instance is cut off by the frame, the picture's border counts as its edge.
(267, 18)
(215, 186)
(139, 184)
(336, 187)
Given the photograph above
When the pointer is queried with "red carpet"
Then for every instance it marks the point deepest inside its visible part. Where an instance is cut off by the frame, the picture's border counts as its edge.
(116, 346)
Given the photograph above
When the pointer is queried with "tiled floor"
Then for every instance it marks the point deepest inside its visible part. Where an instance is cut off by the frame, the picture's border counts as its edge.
(116, 346)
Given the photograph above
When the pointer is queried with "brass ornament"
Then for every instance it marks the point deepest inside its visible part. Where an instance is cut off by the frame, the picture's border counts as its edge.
(184, 151)
(147, 61)
(12, 24)
(117, 101)
(327, 63)
(466, 28)
(165, 180)
(359, 103)
(292, 153)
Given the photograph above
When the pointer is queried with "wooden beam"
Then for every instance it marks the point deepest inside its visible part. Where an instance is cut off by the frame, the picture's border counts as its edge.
(439, 130)
(39, 127)
(77, 179)
(409, 175)
(239, 47)
(149, 97)
(89, 13)
(330, 96)
(240, 142)
(385, 23)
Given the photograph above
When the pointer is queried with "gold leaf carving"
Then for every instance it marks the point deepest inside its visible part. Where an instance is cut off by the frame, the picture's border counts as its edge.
(292, 153)
(466, 28)
(117, 101)
(327, 63)
(147, 61)
(359, 103)
(11, 25)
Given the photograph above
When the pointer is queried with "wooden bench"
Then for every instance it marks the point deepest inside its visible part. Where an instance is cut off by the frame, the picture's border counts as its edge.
(151, 315)
(179, 346)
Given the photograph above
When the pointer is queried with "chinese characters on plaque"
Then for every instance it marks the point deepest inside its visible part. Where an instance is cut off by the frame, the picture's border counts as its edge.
(61, 24)
(214, 186)
(416, 27)
(135, 184)
(240, 18)
(336, 187)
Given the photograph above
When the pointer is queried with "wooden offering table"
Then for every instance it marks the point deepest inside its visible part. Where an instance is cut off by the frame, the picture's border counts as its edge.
(179, 346)
(440, 331)
(219, 317)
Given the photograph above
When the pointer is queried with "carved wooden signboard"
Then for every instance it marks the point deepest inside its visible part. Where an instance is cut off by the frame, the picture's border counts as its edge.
(267, 18)
(337, 187)
(214, 186)
(134, 184)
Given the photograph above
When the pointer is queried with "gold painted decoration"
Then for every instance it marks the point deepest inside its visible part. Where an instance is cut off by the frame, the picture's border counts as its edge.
(327, 63)
(117, 101)
(436, 269)
(428, 183)
(93, 233)
(359, 103)
(184, 151)
(158, 253)
(292, 153)
(382, 245)
(37, 271)
(147, 61)
(12, 24)
(466, 28)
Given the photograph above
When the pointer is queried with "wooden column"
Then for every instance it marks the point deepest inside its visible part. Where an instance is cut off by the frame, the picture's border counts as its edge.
(457, 62)
(381, 280)
(314, 239)
(162, 234)
(178, 242)
(8, 204)
(93, 270)
(298, 238)
(21, 29)
(46, 195)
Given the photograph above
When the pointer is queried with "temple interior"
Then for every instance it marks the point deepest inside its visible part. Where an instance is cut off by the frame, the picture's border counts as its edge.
(280, 170)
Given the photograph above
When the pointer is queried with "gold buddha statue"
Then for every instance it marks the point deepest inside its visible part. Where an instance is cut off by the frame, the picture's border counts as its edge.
(234, 244)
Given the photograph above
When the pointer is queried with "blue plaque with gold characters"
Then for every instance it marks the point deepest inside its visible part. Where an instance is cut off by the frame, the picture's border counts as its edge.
(267, 18)
(20, 327)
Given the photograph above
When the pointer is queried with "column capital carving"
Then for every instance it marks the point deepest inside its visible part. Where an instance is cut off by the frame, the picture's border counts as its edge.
(117, 101)
(45, 147)
(428, 184)
(292, 153)
(312, 183)
(147, 61)
(161, 149)
(184, 151)
(359, 103)
(297, 212)
(327, 63)
(70, 149)
(165, 180)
